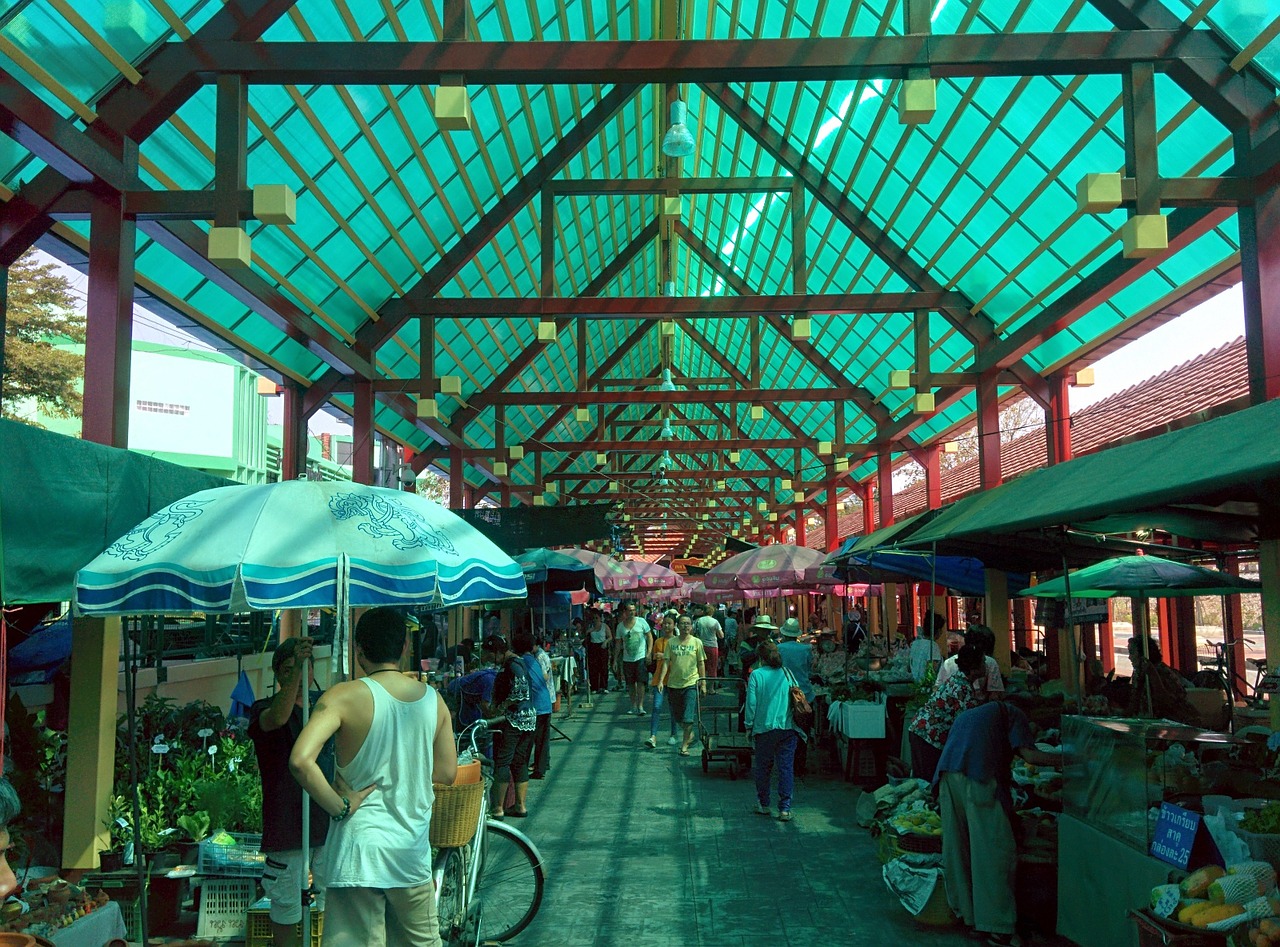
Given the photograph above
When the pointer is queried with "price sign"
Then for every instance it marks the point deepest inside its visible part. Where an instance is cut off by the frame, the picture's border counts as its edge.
(1179, 834)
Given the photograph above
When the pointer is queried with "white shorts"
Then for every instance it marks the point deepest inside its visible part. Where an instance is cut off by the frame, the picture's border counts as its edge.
(282, 883)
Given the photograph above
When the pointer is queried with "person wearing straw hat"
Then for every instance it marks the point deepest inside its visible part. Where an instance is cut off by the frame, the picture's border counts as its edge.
(797, 657)
(393, 739)
(762, 629)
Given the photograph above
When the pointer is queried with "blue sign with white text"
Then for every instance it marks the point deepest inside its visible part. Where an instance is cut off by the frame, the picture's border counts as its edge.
(1175, 835)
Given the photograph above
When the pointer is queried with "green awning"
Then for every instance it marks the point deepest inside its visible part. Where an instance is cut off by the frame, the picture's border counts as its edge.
(892, 533)
(1231, 462)
(64, 500)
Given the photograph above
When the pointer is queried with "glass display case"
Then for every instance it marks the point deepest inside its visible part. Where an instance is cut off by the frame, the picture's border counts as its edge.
(1115, 770)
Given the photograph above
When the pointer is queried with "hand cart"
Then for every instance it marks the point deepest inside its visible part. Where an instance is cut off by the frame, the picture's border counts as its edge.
(720, 724)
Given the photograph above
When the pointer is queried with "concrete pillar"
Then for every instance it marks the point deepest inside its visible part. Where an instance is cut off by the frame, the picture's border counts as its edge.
(91, 739)
(1107, 643)
(996, 613)
(889, 609)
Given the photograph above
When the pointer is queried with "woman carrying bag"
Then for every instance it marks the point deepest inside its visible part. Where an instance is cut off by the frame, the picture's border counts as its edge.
(769, 718)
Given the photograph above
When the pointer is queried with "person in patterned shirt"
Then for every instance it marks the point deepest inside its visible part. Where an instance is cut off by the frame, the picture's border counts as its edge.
(929, 728)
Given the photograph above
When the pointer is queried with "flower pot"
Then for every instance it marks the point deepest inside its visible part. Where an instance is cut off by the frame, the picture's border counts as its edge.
(110, 861)
(162, 860)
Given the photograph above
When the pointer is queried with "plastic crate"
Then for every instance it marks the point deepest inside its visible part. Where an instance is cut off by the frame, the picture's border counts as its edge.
(241, 860)
(132, 913)
(258, 931)
(223, 905)
(862, 719)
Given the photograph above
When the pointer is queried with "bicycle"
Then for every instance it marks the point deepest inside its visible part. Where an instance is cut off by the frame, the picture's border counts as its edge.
(490, 889)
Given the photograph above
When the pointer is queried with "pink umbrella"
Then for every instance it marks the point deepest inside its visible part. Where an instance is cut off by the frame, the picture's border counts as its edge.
(766, 567)
(612, 575)
(650, 575)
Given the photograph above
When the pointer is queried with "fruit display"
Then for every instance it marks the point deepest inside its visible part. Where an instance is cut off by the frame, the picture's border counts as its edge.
(1265, 933)
(918, 821)
(1214, 898)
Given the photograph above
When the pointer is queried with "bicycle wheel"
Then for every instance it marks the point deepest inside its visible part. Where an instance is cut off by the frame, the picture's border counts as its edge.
(452, 906)
(509, 891)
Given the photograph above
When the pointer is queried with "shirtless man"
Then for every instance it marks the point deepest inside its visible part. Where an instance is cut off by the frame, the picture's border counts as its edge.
(394, 738)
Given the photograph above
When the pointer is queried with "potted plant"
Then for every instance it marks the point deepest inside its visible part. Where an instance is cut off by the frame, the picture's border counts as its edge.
(119, 834)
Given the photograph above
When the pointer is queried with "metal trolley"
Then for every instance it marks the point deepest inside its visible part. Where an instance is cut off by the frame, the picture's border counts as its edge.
(720, 724)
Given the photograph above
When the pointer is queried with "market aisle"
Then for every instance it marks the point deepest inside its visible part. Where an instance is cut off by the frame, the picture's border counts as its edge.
(644, 849)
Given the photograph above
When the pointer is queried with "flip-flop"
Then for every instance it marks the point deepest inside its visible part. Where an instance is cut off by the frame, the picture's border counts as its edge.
(517, 815)
(497, 816)
(684, 752)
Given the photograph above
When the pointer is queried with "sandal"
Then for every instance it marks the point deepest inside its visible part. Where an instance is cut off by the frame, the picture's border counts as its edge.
(684, 751)
(518, 815)
(497, 816)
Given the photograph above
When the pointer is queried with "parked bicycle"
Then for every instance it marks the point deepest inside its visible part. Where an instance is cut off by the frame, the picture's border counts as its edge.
(489, 888)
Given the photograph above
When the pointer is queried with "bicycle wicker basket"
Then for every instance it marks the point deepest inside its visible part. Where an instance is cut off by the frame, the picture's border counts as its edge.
(455, 814)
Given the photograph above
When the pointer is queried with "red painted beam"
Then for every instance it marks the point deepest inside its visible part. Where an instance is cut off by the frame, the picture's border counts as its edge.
(664, 307)
(1260, 265)
(812, 59)
(699, 396)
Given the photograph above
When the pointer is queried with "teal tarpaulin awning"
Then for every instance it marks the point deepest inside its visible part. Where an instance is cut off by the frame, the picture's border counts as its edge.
(1233, 459)
(64, 500)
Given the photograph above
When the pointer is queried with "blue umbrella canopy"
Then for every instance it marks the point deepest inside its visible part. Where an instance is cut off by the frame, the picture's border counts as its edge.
(296, 544)
(1134, 576)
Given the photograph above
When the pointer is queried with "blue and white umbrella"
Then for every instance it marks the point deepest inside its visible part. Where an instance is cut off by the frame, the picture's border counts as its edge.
(296, 544)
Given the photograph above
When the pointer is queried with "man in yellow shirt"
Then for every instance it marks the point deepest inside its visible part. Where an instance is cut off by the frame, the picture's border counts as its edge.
(682, 667)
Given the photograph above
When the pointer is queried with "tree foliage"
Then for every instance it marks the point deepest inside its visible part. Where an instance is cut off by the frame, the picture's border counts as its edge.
(41, 315)
(1017, 417)
(434, 487)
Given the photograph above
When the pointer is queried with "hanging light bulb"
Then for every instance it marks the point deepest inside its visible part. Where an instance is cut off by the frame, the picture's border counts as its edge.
(677, 142)
(667, 383)
(667, 431)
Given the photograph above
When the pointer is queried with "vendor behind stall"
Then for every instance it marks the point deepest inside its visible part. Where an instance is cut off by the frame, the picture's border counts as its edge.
(1157, 690)
(932, 723)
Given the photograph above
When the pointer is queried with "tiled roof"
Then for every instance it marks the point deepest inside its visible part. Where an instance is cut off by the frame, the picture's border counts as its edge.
(1185, 394)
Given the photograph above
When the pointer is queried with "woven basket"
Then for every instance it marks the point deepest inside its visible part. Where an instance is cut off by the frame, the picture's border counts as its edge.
(455, 814)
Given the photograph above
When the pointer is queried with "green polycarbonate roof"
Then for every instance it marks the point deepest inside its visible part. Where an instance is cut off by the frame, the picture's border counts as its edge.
(982, 198)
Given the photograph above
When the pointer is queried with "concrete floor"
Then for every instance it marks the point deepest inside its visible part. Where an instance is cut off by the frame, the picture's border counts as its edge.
(643, 848)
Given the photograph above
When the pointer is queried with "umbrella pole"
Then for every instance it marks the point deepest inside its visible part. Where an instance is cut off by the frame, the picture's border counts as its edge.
(306, 816)
(131, 694)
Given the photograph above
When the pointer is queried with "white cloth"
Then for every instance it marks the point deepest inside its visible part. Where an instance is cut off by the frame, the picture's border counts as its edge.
(994, 680)
(386, 843)
(632, 636)
(923, 650)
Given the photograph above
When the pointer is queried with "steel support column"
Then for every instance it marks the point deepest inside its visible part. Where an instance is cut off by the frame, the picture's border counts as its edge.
(1260, 269)
(1057, 420)
(293, 447)
(867, 491)
(456, 481)
(362, 433)
(988, 433)
(932, 476)
(800, 526)
(831, 522)
(108, 323)
(884, 482)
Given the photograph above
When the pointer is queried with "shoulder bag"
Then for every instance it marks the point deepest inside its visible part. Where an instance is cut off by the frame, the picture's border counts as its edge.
(801, 712)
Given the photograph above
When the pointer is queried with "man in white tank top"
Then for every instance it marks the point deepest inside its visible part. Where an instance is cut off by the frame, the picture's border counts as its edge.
(393, 738)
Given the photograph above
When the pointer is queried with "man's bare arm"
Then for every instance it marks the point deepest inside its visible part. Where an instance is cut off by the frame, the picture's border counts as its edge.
(325, 721)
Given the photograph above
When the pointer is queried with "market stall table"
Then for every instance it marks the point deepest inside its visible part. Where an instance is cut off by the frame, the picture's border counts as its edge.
(565, 670)
(854, 721)
(95, 929)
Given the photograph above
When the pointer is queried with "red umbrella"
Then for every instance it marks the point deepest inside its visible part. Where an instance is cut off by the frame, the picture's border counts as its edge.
(767, 567)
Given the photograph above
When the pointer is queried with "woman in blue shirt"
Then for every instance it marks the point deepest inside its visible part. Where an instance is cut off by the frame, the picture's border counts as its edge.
(767, 717)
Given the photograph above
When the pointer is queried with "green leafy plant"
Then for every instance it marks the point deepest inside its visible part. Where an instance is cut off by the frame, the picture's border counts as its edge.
(196, 825)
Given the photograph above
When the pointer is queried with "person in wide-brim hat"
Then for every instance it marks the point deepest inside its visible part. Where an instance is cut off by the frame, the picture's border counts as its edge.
(791, 628)
(764, 623)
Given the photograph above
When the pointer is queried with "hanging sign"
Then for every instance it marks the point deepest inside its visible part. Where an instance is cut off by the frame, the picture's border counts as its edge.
(1180, 834)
